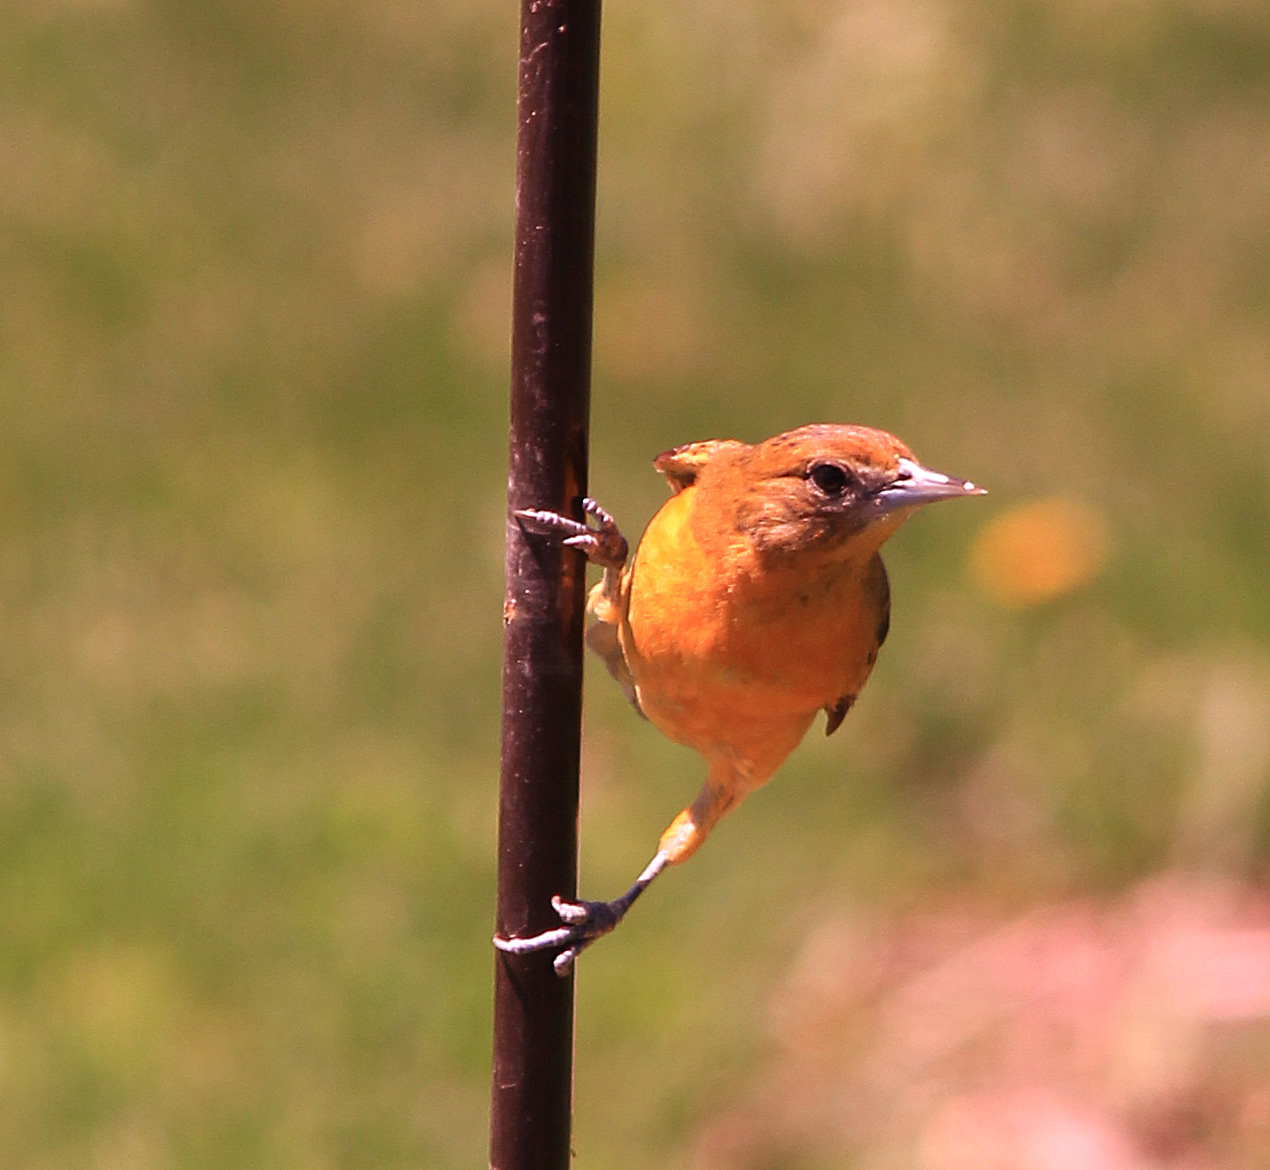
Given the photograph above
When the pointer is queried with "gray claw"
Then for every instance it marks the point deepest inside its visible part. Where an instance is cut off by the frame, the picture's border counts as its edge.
(546, 523)
(563, 962)
(573, 913)
(539, 942)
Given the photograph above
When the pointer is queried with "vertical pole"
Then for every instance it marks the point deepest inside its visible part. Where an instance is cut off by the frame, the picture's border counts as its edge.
(543, 608)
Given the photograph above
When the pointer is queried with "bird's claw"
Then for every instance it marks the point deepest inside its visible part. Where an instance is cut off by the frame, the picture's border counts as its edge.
(594, 918)
(604, 545)
(584, 923)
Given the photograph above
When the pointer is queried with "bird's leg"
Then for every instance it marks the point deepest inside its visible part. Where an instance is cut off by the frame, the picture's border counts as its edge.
(587, 921)
(584, 921)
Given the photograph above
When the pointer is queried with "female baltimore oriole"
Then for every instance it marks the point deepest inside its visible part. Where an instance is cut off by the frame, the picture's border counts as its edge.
(756, 598)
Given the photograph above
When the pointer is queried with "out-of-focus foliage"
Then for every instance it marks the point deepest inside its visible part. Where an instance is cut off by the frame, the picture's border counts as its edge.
(253, 366)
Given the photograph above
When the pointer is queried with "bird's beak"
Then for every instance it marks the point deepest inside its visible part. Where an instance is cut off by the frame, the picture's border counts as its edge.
(915, 485)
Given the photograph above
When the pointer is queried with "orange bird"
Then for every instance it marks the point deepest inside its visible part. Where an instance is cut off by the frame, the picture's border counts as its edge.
(756, 598)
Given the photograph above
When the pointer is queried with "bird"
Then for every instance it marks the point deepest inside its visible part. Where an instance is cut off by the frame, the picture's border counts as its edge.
(756, 598)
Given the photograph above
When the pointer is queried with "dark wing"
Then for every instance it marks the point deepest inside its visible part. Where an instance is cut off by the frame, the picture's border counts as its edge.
(878, 592)
(601, 637)
(836, 712)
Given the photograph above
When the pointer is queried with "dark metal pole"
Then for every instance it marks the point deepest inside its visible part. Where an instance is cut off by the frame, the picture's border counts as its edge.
(542, 655)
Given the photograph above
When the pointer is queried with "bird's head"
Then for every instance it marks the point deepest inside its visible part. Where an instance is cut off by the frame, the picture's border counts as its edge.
(816, 490)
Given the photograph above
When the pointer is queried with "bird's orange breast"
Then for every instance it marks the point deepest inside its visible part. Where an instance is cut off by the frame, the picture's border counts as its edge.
(732, 654)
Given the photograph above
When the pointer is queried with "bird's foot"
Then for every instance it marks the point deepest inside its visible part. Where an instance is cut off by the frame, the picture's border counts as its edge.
(584, 923)
(604, 544)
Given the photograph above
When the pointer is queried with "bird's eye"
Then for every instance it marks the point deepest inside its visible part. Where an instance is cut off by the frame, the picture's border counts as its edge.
(829, 478)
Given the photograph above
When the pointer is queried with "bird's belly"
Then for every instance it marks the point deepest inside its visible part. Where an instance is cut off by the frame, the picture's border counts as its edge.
(755, 729)
(755, 678)
(748, 682)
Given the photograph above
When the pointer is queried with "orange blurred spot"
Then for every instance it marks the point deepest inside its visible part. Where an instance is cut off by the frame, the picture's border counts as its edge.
(1040, 551)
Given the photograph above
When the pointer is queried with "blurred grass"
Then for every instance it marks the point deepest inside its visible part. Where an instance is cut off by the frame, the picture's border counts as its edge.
(253, 366)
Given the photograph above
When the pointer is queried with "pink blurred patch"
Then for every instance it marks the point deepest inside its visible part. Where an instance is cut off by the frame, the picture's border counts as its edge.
(1099, 1035)
(1022, 1130)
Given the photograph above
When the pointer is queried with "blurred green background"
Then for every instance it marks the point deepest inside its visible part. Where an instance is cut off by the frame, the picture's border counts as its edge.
(253, 373)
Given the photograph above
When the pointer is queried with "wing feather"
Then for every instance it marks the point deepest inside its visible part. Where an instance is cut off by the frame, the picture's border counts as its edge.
(878, 592)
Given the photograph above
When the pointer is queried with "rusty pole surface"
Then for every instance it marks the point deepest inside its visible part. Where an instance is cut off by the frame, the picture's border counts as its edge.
(532, 1091)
